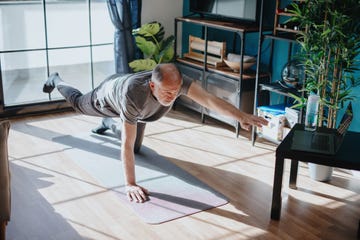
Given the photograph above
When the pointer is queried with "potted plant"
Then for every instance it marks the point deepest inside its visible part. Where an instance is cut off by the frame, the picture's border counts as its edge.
(330, 47)
(156, 49)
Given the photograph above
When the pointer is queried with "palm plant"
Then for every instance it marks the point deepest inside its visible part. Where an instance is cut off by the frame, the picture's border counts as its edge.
(330, 45)
(156, 49)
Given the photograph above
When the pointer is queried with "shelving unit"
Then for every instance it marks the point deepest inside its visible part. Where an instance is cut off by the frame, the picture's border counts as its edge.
(240, 29)
(279, 34)
(281, 16)
(276, 87)
(234, 87)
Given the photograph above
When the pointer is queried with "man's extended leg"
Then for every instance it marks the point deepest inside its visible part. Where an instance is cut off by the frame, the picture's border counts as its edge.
(52, 81)
(82, 103)
(86, 104)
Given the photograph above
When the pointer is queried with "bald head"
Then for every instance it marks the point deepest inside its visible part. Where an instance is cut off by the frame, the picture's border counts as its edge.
(168, 72)
(165, 84)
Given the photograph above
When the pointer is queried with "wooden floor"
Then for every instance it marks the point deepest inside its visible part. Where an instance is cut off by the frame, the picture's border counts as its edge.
(53, 198)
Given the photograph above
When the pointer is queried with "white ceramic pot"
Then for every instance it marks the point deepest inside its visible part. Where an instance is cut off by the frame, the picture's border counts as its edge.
(356, 173)
(320, 172)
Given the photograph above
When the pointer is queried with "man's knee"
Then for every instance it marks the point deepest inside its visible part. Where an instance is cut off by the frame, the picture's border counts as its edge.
(137, 148)
(140, 132)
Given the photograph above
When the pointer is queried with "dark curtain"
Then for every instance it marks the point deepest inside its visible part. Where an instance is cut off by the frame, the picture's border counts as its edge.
(125, 15)
(135, 9)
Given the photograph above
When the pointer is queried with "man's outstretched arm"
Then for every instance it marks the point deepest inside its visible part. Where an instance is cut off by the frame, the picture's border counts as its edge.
(210, 101)
(134, 192)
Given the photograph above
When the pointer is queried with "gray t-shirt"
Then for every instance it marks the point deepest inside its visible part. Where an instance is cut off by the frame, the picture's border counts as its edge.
(130, 96)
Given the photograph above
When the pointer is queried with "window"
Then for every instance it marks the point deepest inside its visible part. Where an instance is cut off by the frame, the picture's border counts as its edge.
(74, 38)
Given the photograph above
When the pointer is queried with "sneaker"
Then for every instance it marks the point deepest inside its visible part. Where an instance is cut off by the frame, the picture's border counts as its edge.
(49, 85)
(100, 129)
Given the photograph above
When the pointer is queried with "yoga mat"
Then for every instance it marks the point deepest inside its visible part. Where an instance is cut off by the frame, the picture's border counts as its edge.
(174, 193)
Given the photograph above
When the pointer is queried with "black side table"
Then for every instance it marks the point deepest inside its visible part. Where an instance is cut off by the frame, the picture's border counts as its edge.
(346, 157)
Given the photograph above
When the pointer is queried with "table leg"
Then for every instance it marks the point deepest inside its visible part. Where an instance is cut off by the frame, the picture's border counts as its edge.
(293, 173)
(276, 198)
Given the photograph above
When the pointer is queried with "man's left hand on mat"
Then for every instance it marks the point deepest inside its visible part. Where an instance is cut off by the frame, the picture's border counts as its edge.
(136, 193)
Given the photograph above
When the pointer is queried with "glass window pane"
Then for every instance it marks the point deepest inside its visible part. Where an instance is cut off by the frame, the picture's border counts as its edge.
(22, 25)
(67, 23)
(101, 25)
(23, 74)
(73, 66)
(104, 65)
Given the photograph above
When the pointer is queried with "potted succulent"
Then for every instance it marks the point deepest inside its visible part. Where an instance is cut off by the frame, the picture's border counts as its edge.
(330, 47)
(156, 49)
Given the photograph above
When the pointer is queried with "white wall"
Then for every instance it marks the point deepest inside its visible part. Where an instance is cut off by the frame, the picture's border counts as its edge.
(163, 11)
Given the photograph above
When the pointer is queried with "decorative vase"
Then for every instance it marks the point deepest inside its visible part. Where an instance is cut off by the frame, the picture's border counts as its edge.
(320, 172)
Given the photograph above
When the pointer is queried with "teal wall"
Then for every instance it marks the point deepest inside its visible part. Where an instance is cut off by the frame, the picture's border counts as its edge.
(279, 57)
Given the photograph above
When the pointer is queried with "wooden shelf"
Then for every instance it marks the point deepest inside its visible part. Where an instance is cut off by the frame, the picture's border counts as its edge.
(200, 57)
(223, 70)
(224, 25)
(287, 30)
(279, 89)
(285, 14)
(286, 36)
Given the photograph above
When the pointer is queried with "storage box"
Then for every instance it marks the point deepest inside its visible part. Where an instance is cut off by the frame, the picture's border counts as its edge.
(275, 115)
(292, 116)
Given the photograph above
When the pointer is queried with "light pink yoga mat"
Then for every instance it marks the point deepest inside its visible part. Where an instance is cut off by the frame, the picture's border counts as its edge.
(174, 193)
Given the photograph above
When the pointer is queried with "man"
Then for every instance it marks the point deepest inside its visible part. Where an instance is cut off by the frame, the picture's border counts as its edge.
(139, 98)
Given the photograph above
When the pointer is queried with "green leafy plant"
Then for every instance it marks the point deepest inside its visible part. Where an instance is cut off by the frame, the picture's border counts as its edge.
(330, 46)
(156, 49)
